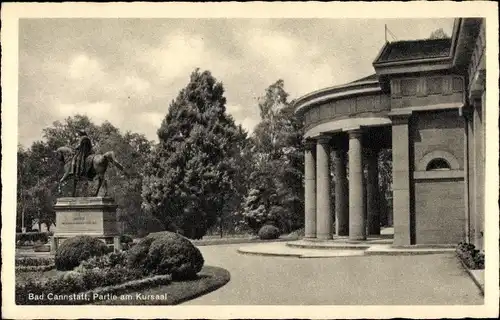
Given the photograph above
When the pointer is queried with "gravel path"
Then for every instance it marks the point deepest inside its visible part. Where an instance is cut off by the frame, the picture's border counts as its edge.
(435, 279)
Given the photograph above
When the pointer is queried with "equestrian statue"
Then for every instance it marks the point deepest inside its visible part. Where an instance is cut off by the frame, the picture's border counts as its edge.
(80, 162)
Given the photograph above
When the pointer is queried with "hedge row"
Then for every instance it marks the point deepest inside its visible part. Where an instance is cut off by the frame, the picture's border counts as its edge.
(96, 294)
(72, 282)
(473, 258)
(32, 238)
(22, 238)
(40, 268)
(33, 262)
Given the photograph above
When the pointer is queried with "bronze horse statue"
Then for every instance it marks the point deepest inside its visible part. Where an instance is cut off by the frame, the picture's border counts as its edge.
(96, 166)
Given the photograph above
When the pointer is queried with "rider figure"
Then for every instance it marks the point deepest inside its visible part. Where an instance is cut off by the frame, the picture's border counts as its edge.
(82, 150)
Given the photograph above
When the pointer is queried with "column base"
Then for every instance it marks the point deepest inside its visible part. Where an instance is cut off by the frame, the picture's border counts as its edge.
(310, 237)
(357, 238)
(324, 237)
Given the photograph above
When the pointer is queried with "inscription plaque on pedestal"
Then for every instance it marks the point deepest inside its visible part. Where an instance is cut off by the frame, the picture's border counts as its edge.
(90, 216)
(86, 216)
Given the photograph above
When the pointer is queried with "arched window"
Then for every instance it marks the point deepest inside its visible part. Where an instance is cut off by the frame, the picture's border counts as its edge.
(438, 164)
(438, 160)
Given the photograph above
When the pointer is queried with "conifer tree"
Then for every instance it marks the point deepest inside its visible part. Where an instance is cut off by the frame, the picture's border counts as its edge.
(193, 172)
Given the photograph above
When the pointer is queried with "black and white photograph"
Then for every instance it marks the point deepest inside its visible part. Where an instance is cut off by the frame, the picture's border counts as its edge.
(246, 160)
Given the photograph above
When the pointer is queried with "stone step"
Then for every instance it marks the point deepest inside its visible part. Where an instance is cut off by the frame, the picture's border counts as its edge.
(329, 245)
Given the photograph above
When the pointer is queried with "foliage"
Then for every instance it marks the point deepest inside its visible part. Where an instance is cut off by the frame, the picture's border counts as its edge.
(40, 268)
(166, 253)
(28, 261)
(175, 255)
(71, 282)
(42, 237)
(210, 279)
(150, 282)
(137, 255)
(125, 238)
(39, 170)
(193, 175)
(438, 34)
(29, 264)
(110, 260)
(299, 233)
(148, 223)
(276, 153)
(269, 232)
(75, 250)
(473, 258)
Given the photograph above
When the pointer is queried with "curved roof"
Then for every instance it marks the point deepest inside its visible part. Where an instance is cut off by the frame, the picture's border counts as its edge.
(371, 77)
(415, 50)
(365, 85)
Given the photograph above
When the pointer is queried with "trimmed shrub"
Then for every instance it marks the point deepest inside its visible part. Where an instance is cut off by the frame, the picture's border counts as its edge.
(176, 255)
(75, 250)
(77, 281)
(166, 253)
(137, 255)
(30, 262)
(269, 232)
(106, 261)
(35, 268)
(29, 238)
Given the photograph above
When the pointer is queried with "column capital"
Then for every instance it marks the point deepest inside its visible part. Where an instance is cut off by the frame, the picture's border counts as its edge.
(466, 112)
(355, 133)
(403, 118)
(309, 144)
(323, 139)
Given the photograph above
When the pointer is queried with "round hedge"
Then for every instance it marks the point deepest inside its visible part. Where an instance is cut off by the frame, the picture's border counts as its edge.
(269, 232)
(75, 250)
(137, 255)
(167, 253)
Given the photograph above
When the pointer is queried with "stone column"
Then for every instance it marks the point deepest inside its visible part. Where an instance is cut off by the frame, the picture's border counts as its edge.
(341, 191)
(465, 115)
(117, 245)
(310, 190)
(324, 213)
(357, 222)
(479, 175)
(401, 180)
(373, 193)
(53, 245)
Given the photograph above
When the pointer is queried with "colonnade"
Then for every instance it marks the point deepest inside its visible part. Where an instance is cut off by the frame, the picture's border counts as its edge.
(357, 197)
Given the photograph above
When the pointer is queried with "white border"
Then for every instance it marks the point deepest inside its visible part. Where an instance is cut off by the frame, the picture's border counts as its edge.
(11, 12)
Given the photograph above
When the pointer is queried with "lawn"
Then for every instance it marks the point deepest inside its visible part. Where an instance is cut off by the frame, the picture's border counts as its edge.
(208, 280)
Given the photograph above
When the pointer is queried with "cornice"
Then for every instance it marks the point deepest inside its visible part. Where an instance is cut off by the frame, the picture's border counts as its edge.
(333, 93)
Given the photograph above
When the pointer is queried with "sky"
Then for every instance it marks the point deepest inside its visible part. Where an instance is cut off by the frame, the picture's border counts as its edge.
(127, 71)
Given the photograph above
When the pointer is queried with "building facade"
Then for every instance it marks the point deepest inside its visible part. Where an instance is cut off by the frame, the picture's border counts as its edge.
(425, 102)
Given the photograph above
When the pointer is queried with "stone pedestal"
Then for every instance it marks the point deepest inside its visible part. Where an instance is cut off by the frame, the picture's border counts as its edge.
(90, 216)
